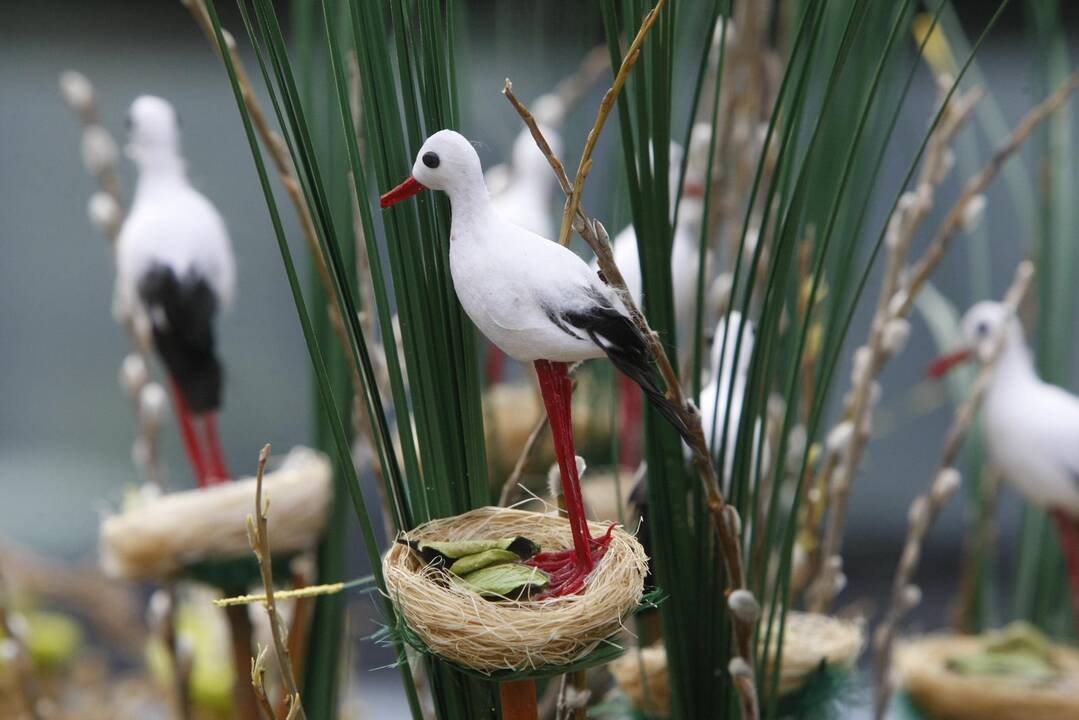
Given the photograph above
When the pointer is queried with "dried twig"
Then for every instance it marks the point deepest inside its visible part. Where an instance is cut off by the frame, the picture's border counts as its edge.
(527, 453)
(106, 209)
(890, 327)
(258, 536)
(605, 107)
(725, 520)
(926, 507)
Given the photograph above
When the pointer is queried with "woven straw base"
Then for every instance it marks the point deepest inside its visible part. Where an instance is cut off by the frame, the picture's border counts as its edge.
(160, 537)
(491, 636)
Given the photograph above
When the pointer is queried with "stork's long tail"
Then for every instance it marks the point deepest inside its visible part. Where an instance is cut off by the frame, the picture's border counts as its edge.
(624, 344)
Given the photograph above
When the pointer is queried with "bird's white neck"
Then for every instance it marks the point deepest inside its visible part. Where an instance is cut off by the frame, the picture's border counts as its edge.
(158, 167)
(471, 206)
(1014, 367)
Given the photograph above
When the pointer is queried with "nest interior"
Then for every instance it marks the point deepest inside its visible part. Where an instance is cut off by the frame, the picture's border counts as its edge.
(510, 635)
(922, 665)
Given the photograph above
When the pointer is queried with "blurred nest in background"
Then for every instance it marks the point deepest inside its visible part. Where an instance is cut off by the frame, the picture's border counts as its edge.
(959, 677)
(459, 625)
(158, 537)
(810, 641)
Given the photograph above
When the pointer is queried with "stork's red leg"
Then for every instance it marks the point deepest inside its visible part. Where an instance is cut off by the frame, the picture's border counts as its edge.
(496, 365)
(219, 471)
(187, 433)
(1068, 527)
(557, 389)
(630, 411)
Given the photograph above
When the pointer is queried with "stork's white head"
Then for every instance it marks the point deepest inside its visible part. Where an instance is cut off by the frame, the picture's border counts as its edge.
(983, 322)
(153, 131)
(448, 162)
(979, 328)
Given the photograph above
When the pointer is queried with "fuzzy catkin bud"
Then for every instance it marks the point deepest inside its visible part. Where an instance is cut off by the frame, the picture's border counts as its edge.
(9, 651)
(860, 366)
(103, 211)
(739, 668)
(839, 583)
(76, 90)
(839, 438)
(744, 606)
(898, 302)
(152, 403)
(133, 373)
(912, 597)
(946, 483)
(894, 336)
(99, 150)
(972, 212)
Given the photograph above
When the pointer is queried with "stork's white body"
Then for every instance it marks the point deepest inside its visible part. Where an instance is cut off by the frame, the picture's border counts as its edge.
(170, 222)
(509, 280)
(1032, 429)
(720, 392)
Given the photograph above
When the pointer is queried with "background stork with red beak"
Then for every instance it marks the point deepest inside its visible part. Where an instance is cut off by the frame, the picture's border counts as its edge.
(1031, 427)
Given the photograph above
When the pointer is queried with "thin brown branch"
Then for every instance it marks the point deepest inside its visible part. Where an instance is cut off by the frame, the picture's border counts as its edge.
(724, 518)
(927, 506)
(258, 536)
(527, 453)
(605, 107)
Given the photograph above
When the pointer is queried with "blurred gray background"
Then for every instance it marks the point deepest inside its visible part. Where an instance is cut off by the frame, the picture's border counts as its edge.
(65, 427)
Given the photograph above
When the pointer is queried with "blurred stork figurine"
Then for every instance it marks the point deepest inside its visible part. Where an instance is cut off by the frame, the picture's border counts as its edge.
(540, 303)
(175, 268)
(685, 263)
(1031, 427)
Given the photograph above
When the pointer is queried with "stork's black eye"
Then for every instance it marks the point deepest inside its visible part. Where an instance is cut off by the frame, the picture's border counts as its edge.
(431, 160)
(982, 328)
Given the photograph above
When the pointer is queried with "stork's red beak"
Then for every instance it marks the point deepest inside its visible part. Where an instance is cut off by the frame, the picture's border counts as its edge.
(402, 192)
(945, 363)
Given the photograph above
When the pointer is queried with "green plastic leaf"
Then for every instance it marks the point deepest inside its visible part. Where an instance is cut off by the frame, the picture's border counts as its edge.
(510, 580)
(1018, 650)
(521, 547)
(480, 560)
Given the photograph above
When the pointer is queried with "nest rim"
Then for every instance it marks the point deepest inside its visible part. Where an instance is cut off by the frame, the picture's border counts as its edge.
(514, 636)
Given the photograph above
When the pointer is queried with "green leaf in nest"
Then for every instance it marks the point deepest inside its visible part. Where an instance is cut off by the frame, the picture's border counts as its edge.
(507, 580)
(448, 551)
(480, 560)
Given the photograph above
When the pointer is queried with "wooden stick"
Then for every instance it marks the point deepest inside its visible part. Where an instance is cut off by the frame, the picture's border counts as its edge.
(519, 700)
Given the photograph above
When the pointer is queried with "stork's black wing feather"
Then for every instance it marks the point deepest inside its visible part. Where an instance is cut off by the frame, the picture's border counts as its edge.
(181, 314)
(619, 338)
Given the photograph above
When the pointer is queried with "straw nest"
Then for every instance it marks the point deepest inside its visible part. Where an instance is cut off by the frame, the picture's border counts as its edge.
(922, 665)
(513, 635)
(809, 640)
(160, 536)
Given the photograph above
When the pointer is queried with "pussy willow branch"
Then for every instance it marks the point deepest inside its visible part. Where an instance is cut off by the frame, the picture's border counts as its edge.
(724, 518)
(259, 538)
(841, 461)
(605, 107)
(137, 331)
(927, 506)
(527, 453)
(896, 301)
